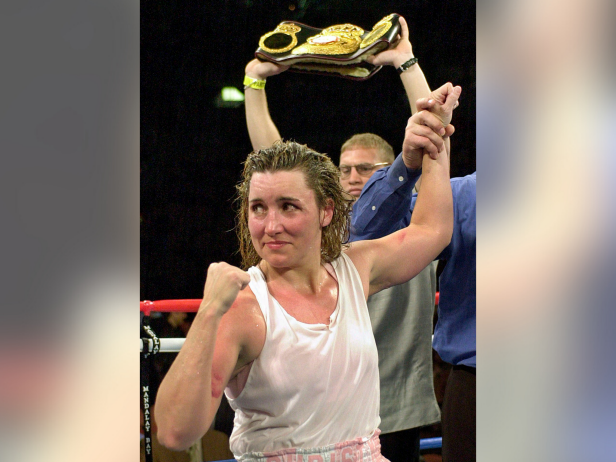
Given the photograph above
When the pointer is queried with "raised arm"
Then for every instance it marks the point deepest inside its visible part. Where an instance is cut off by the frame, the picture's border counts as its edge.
(398, 257)
(221, 341)
(413, 79)
(261, 128)
(385, 202)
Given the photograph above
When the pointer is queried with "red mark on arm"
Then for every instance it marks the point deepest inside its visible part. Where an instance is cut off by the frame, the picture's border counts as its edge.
(217, 385)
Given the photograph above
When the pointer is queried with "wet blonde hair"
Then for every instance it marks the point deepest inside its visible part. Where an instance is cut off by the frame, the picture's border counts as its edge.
(321, 176)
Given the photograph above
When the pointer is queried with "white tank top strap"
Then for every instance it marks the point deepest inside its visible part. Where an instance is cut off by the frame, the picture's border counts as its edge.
(258, 286)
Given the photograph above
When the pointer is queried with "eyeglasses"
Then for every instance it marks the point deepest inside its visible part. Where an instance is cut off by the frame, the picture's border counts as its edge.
(362, 169)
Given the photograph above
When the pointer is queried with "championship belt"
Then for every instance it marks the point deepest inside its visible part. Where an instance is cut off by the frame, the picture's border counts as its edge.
(339, 50)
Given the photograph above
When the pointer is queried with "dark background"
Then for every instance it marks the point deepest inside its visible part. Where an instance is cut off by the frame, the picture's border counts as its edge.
(192, 150)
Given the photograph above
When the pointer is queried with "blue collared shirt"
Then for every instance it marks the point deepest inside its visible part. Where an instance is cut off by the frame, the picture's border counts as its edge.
(386, 205)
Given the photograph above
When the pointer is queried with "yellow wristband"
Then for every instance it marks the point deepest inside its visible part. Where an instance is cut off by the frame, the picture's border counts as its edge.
(257, 84)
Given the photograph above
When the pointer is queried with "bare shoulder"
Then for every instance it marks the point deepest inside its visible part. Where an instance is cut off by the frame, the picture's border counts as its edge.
(245, 322)
(245, 306)
(360, 253)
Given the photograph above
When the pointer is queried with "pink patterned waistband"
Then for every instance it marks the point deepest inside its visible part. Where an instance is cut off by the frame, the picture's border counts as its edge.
(357, 450)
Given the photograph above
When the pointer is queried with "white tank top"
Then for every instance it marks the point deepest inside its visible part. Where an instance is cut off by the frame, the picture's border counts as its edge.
(313, 384)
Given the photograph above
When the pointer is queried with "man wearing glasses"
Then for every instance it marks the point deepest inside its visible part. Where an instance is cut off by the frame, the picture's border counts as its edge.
(402, 315)
(361, 156)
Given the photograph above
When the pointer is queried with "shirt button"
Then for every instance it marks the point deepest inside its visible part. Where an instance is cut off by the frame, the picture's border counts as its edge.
(373, 207)
(401, 178)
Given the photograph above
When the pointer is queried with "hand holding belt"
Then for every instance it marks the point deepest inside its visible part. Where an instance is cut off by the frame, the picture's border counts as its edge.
(336, 50)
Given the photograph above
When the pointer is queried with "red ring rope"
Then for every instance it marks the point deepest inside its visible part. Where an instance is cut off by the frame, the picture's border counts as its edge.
(187, 306)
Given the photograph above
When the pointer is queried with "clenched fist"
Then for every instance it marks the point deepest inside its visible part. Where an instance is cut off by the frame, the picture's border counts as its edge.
(222, 286)
(425, 129)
